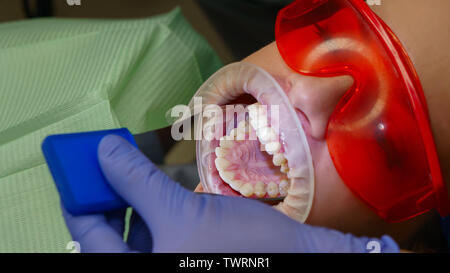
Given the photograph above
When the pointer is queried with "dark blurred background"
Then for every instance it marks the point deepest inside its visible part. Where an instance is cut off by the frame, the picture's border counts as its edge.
(234, 28)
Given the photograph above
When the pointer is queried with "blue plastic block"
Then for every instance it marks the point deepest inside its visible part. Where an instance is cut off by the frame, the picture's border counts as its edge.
(72, 160)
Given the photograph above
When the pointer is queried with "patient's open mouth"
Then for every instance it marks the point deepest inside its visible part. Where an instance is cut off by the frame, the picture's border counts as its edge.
(250, 159)
(260, 151)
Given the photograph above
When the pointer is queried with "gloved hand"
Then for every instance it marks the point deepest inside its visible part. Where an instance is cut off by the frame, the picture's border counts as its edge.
(173, 219)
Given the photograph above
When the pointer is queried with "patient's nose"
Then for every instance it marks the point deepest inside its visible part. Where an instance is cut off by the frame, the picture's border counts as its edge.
(317, 98)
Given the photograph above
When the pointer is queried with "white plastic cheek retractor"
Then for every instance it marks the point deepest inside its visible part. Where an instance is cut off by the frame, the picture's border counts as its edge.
(272, 160)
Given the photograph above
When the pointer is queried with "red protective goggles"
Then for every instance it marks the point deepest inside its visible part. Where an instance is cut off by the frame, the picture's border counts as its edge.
(379, 135)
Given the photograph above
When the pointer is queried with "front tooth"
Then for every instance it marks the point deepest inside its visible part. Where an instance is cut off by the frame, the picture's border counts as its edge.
(272, 189)
(266, 135)
(273, 147)
(221, 163)
(235, 184)
(260, 121)
(278, 159)
(284, 186)
(225, 143)
(256, 109)
(284, 168)
(253, 112)
(241, 125)
(221, 152)
(253, 108)
(253, 123)
(260, 189)
(246, 189)
(232, 134)
(241, 131)
(227, 177)
(240, 136)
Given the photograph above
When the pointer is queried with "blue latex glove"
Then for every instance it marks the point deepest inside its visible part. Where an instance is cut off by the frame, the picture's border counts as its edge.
(173, 219)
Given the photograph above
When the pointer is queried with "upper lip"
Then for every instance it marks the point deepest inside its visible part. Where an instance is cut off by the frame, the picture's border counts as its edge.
(303, 120)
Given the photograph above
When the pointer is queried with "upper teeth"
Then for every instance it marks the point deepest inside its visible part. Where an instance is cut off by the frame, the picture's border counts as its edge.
(278, 159)
(269, 143)
(224, 143)
(221, 152)
(221, 163)
(257, 112)
(273, 147)
(284, 168)
(266, 135)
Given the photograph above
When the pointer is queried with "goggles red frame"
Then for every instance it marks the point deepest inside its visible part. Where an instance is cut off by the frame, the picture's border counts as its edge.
(379, 135)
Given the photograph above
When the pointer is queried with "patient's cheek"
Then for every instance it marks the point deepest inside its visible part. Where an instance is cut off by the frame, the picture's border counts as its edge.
(334, 205)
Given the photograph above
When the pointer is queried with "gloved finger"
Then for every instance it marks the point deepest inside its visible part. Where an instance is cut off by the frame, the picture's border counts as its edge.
(137, 180)
(139, 236)
(94, 233)
(116, 220)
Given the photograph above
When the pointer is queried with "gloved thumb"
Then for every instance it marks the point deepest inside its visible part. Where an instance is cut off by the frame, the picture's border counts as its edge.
(137, 180)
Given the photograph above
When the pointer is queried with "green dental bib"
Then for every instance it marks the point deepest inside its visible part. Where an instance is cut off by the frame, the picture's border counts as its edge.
(69, 75)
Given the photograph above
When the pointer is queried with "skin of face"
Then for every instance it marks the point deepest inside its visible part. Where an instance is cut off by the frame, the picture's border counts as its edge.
(424, 29)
